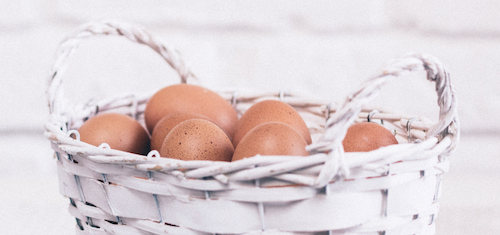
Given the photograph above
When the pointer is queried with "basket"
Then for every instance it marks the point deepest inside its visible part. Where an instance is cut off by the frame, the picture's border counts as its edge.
(391, 190)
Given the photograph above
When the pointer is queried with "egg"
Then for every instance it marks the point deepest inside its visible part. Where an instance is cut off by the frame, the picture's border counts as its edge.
(188, 98)
(271, 138)
(367, 136)
(119, 131)
(167, 123)
(197, 139)
(270, 111)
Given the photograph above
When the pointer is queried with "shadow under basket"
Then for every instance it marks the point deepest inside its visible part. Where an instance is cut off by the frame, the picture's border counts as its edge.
(391, 190)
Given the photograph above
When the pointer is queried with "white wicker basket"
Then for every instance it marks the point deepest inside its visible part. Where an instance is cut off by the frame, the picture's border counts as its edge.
(392, 190)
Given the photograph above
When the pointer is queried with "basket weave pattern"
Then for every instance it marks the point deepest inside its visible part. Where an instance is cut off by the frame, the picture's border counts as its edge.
(391, 190)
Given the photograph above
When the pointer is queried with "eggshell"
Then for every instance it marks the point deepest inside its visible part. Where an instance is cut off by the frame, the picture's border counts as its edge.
(271, 138)
(190, 99)
(119, 131)
(166, 124)
(197, 139)
(270, 111)
(367, 136)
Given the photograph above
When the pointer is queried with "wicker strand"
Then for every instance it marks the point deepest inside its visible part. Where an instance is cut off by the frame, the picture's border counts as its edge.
(337, 124)
(55, 94)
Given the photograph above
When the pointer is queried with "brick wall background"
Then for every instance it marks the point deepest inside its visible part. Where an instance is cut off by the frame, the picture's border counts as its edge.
(328, 47)
(323, 47)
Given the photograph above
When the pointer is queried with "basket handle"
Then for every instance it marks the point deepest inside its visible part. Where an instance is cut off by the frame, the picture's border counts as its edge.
(339, 122)
(54, 91)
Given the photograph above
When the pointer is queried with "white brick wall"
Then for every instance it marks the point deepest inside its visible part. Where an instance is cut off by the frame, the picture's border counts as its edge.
(448, 17)
(320, 46)
(325, 47)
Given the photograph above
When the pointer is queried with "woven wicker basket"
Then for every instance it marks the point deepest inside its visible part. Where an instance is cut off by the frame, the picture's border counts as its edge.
(392, 190)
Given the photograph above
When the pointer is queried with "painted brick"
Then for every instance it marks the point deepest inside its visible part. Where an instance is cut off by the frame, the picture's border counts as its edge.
(328, 66)
(338, 16)
(469, 203)
(15, 15)
(201, 15)
(25, 65)
(448, 17)
(269, 16)
(264, 48)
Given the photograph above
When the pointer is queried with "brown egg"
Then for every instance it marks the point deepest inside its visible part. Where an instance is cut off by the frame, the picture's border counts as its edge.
(271, 138)
(197, 139)
(270, 111)
(163, 127)
(367, 136)
(187, 98)
(119, 131)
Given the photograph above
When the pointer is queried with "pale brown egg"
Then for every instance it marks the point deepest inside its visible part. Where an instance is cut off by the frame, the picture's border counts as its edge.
(271, 138)
(270, 111)
(367, 136)
(197, 139)
(119, 131)
(166, 124)
(187, 98)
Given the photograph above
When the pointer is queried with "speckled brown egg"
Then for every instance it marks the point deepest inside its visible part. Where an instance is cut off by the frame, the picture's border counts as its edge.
(166, 124)
(119, 131)
(187, 98)
(271, 138)
(270, 111)
(367, 136)
(197, 139)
